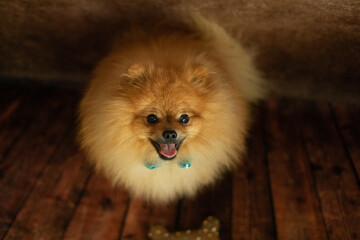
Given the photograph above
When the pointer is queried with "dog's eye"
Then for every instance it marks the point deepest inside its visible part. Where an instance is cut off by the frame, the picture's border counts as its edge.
(184, 119)
(152, 119)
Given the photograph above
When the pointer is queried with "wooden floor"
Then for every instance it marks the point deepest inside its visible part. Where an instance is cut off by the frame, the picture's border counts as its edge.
(300, 181)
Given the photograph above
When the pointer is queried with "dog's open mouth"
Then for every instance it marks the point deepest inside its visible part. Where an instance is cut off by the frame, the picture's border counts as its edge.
(166, 151)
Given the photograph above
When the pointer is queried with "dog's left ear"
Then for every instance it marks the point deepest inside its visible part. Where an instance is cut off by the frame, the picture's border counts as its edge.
(134, 75)
(135, 70)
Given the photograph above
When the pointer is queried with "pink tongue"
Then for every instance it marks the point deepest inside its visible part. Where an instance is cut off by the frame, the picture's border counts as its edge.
(168, 150)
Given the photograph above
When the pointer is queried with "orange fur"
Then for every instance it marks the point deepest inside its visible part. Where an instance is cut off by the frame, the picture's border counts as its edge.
(167, 73)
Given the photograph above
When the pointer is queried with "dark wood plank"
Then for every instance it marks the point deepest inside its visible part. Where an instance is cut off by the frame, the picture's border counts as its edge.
(10, 109)
(20, 111)
(348, 119)
(335, 180)
(252, 204)
(9, 92)
(215, 201)
(100, 212)
(28, 157)
(8, 97)
(296, 205)
(142, 215)
(53, 200)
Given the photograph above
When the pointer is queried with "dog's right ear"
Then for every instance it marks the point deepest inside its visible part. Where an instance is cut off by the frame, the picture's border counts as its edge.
(201, 77)
(134, 76)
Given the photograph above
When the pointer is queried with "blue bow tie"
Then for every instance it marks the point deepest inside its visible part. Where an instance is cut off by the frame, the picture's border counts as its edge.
(152, 165)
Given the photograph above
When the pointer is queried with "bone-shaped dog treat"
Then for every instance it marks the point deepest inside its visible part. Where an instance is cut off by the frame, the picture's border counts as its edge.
(208, 231)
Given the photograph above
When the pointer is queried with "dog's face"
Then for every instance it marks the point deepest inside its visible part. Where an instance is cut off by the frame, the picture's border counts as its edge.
(168, 107)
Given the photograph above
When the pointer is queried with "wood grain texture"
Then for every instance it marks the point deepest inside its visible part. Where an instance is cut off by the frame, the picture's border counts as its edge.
(296, 205)
(334, 177)
(252, 213)
(18, 112)
(347, 118)
(51, 203)
(214, 201)
(142, 215)
(9, 95)
(28, 157)
(100, 213)
(300, 180)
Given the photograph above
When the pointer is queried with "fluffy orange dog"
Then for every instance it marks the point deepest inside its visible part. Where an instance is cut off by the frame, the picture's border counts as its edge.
(167, 111)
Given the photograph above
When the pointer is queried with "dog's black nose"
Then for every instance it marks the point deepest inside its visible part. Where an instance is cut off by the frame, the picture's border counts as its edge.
(169, 135)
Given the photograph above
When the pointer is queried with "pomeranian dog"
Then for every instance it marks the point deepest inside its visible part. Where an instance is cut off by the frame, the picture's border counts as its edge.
(168, 109)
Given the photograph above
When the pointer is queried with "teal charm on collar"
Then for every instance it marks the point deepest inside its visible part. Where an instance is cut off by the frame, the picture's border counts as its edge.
(184, 164)
(151, 165)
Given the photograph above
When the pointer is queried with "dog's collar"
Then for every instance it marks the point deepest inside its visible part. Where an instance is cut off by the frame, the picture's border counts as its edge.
(154, 165)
